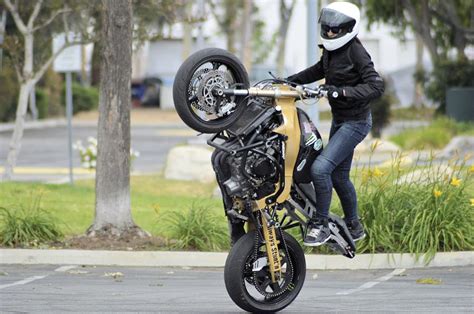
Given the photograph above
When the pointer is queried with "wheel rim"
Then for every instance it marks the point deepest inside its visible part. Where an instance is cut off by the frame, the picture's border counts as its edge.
(263, 280)
(202, 103)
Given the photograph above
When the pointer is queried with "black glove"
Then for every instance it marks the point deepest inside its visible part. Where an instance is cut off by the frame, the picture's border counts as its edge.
(293, 79)
(333, 91)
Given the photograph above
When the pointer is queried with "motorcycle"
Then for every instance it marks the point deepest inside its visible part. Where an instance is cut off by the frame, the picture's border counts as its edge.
(264, 147)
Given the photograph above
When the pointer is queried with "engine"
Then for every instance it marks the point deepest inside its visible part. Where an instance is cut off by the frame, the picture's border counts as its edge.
(254, 173)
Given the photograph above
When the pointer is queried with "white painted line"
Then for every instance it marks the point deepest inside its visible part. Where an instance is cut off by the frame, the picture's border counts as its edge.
(64, 269)
(370, 284)
(22, 282)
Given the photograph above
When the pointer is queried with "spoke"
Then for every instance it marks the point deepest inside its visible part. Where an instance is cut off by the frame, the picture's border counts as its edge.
(275, 286)
(216, 65)
(267, 283)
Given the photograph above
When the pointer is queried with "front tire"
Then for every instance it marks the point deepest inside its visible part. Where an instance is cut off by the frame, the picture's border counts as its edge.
(240, 280)
(192, 90)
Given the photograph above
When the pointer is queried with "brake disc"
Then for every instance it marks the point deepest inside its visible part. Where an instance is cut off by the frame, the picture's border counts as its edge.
(194, 86)
(211, 81)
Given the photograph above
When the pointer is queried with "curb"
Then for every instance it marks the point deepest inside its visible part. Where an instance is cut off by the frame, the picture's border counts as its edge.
(208, 259)
(50, 123)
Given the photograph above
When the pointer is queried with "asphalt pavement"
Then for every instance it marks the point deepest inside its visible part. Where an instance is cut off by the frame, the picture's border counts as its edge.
(41, 288)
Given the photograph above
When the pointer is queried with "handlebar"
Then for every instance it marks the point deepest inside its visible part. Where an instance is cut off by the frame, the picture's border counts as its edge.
(297, 92)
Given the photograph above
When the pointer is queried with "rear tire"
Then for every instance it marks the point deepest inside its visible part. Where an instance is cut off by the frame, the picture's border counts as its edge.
(185, 76)
(238, 284)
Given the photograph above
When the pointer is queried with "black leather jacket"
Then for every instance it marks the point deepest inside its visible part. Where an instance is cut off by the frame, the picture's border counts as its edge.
(351, 68)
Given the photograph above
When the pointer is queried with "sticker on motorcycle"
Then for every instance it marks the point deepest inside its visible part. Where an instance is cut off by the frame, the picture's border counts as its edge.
(311, 139)
(318, 144)
(307, 127)
(301, 165)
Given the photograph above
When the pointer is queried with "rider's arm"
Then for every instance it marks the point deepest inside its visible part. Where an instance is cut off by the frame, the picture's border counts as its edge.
(309, 75)
(372, 85)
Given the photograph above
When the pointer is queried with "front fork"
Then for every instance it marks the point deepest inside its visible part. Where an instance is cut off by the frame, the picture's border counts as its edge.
(264, 223)
(271, 243)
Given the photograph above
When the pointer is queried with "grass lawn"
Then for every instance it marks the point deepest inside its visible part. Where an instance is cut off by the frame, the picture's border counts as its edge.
(73, 206)
(152, 198)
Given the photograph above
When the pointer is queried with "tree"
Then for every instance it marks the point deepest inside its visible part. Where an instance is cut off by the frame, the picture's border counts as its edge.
(239, 22)
(226, 14)
(441, 25)
(247, 27)
(286, 10)
(113, 213)
(150, 19)
(30, 68)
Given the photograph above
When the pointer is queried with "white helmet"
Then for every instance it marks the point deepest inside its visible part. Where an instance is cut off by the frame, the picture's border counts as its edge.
(342, 18)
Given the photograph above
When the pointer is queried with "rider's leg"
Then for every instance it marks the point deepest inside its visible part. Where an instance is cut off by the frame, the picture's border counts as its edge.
(236, 226)
(344, 137)
(346, 192)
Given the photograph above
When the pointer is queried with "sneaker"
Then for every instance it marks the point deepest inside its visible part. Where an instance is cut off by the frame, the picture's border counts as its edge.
(356, 230)
(317, 234)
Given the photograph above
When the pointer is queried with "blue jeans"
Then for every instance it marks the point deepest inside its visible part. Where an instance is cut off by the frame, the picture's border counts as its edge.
(332, 167)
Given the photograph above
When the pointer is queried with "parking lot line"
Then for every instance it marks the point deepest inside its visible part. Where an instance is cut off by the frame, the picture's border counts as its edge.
(370, 284)
(22, 282)
(64, 269)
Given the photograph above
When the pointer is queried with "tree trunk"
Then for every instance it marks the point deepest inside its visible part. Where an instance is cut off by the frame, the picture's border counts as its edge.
(26, 84)
(15, 142)
(285, 16)
(246, 40)
(95, 64)
(113, 212)
(418, 94)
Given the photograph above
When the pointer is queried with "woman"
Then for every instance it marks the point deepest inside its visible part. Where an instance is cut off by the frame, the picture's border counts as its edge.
(352, 83)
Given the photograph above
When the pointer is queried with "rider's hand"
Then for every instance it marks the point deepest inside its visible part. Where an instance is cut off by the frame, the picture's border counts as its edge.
(334, 92)
(293, 79)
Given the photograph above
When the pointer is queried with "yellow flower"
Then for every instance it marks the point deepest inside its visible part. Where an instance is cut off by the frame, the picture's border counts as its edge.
(472, 202)
(377, 172)
(471, 169)
(455, 181)
(437, 193)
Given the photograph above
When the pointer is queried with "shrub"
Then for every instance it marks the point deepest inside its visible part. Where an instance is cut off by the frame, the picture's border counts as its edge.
(9, 93)
(83, 98)
(446, 74)
(52, 85)
(381, 109)
(42, 103)
(27, 226)
(198, 228)
(431, 211)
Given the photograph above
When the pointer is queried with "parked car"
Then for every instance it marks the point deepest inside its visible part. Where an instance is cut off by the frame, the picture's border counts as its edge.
(146, 92)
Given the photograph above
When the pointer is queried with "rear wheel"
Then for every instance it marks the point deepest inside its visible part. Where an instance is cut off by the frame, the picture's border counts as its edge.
(193, 90)
(253, 291)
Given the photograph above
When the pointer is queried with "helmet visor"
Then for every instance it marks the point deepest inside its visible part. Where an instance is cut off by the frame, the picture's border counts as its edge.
(336, 22)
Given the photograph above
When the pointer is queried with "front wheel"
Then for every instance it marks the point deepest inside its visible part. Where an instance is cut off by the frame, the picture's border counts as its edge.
(194, 88)
(253, 291)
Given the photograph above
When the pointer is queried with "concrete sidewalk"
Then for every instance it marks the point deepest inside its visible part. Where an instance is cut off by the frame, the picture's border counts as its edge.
(217, 259)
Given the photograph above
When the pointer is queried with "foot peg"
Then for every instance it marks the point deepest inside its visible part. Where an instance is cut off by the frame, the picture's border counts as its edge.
(233, 214)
